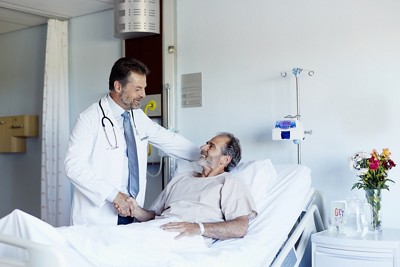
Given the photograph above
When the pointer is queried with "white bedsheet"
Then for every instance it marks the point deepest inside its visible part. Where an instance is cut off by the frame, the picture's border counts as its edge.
(145, 244)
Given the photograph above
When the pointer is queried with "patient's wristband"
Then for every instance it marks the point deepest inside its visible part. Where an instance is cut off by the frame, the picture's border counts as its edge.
(201, 228)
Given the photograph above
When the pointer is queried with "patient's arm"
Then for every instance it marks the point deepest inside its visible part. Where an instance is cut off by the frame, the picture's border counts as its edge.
(219, 230)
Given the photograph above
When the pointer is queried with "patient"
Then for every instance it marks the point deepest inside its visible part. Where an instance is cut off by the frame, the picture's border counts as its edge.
(210, 203)
(203, 207)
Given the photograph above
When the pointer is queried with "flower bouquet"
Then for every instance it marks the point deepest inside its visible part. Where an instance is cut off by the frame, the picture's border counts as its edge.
(372, 169)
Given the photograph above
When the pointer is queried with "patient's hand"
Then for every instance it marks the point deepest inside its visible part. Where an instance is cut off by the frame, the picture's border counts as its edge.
(133, 206)
(235, 228)
(138, 212)
(184, 228)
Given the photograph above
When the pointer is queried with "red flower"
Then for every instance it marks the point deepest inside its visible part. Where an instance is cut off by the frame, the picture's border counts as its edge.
(374, 163)
(391, 164)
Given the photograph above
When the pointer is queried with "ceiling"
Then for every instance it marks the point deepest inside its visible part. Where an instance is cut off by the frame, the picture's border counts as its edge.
(21, 14)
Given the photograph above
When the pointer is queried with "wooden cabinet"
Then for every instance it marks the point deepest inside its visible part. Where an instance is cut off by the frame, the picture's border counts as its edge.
(374, 249)
(14, 130)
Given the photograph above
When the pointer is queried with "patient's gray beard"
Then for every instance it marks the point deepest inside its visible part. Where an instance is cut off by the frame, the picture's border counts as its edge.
(202, 162)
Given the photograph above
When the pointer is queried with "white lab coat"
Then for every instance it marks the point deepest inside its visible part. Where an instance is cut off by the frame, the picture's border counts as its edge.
(96, 169)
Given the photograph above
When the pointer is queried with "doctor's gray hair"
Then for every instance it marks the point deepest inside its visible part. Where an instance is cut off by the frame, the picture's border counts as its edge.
(122, 69)
(232, 149)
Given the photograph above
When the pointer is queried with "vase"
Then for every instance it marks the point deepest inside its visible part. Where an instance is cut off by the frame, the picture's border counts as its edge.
(374, 198)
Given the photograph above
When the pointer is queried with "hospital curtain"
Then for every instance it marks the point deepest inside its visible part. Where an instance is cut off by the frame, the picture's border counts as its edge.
(55, 188)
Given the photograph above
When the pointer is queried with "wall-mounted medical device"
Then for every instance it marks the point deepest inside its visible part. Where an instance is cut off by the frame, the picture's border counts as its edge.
(288, 130)
(151, 105)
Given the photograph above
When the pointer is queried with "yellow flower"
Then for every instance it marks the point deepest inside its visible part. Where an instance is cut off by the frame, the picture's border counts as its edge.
(386, 153)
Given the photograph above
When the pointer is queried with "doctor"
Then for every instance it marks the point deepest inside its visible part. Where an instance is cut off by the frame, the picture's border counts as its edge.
(96, 160)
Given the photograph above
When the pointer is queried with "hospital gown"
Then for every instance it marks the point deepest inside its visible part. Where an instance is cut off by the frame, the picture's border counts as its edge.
(205, 199)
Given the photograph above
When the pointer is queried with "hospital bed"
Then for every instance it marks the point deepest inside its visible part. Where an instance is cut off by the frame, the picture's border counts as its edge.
(290, 210)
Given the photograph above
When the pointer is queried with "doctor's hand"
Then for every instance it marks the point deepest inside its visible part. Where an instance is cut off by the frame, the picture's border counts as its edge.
(184, 228)
(122, 205)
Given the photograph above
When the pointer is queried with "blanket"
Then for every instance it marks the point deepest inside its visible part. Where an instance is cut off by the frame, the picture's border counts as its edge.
(138, 244)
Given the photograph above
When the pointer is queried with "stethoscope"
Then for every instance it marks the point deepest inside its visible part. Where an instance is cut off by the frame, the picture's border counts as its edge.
(103, 123)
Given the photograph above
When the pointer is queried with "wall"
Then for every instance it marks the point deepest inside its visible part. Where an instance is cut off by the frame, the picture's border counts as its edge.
(350, 104)
(21, 91)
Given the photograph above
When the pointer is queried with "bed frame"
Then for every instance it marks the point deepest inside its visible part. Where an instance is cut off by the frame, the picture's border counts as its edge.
(296, 251)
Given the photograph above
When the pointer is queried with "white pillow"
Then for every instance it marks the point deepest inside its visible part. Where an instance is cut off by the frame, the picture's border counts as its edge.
(258, 175)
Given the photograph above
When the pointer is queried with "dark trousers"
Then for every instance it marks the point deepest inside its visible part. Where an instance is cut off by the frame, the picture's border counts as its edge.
(125, 220)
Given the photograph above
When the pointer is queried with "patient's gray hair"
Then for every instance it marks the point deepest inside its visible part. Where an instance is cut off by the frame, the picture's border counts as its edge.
(233, 149)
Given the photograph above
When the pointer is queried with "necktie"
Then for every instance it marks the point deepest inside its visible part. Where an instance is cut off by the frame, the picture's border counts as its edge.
(133, 182)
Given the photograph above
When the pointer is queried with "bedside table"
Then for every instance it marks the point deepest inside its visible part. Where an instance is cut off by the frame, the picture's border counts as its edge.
(372, 250)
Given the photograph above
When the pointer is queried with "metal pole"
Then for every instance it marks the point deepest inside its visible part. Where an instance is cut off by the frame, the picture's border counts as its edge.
(166, 123)
(296, 72)
(298, 97)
